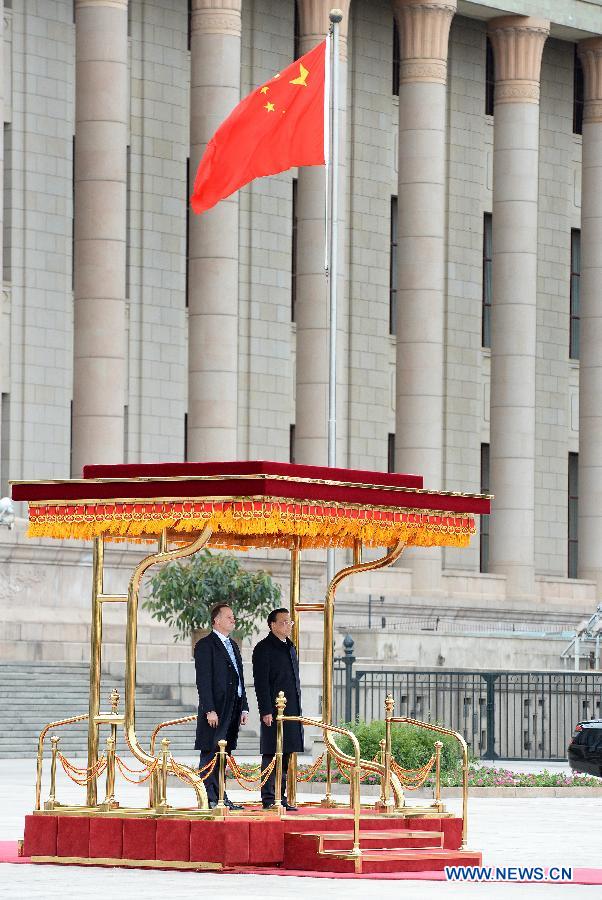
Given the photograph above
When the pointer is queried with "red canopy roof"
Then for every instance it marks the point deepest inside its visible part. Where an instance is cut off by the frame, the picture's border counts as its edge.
(259, 503)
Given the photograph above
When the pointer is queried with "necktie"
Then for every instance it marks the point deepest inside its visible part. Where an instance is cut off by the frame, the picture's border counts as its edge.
(230, 649)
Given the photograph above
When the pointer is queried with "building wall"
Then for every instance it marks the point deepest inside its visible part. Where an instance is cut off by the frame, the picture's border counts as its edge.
(266, 335)
(155, 281)
(554, 254)
(469, 197)
(372, 127)
(36, 328)
(38, 181)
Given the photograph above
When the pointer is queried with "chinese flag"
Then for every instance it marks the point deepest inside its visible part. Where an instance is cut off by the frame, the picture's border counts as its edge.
(279, 125)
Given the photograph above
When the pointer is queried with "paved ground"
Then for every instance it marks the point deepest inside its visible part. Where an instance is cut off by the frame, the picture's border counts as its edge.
(542, 832)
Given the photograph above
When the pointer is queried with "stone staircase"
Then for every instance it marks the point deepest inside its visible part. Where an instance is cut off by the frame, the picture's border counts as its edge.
(32, 694)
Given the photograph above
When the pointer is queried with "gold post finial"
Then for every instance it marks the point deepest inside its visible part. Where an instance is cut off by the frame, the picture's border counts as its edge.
(280, 704)
(389, 706)
(114, 698)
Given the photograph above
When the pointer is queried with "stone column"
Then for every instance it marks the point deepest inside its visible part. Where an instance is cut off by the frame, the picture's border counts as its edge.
(424, 31)
(213, 241)
(101, 108)
(4, 347)
(311, 426)
(590, 351)
(518, 43)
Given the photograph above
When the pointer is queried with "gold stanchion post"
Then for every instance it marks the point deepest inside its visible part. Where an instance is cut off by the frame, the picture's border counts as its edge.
(95, 666)
(162, 805)
(355, 798)
(222, 775)
(386, 779)
(438, 748)
(464, 796)
(295, 595)
(109, 800)
(356, 806)
(328, 801)
(51, 802)
(382, 800)
(280, 705)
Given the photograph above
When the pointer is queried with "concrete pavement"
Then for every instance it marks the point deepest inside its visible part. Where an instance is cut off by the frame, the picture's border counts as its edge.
(543, 832)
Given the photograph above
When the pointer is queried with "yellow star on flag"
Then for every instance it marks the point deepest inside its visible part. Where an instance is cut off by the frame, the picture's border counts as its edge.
(269, 106)
(302, 77)
(264, 89)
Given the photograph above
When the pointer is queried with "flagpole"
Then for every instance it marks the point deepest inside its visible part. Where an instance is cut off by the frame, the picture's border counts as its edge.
(335, 17)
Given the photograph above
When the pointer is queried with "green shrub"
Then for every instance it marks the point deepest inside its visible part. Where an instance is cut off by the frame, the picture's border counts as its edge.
(411, 747)
(183, 593)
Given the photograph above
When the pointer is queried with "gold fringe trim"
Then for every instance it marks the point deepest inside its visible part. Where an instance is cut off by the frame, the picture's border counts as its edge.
(269, 526)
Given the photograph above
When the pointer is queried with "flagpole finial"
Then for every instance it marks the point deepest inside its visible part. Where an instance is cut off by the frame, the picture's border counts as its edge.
(336, 15)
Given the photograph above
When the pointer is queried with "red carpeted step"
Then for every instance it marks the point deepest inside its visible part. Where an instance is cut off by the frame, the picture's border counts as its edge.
(324, 852)
(416, 861)
(451, 828)
(345, 823)
(390, 840)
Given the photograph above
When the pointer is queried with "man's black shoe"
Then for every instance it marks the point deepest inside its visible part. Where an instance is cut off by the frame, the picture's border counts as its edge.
(227, 803)
(285, 805)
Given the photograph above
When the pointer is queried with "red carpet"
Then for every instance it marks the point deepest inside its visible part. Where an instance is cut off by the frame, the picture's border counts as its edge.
(8, 854)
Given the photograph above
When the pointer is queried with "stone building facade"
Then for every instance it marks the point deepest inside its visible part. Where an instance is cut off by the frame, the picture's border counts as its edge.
(471, 240)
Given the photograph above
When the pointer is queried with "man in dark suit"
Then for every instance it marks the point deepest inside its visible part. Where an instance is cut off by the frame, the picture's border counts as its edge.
(275, 669)
(223, 706)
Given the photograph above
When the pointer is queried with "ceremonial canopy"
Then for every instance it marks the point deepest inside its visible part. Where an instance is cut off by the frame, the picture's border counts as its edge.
(253, 504)
(239, 504)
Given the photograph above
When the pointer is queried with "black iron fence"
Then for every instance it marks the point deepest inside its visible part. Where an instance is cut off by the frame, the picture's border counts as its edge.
(501, 714)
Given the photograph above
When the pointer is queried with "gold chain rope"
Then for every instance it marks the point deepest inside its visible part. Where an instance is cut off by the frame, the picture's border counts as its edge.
(256, 781)
(412, 779)
(82, 776)
(311, 770)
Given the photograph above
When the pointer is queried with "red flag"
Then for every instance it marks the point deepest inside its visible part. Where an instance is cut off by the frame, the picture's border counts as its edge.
(279, 125)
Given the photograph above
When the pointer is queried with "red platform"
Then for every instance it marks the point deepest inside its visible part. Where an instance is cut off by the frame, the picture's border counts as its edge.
(316, 842)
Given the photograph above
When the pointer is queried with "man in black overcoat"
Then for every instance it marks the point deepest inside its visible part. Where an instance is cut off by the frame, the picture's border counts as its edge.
(223, 706)
(275, 669)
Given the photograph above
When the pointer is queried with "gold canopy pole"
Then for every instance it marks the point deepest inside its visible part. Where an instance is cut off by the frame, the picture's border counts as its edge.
(95, 665)
(295, 595)
(328, 651)
(163, 555)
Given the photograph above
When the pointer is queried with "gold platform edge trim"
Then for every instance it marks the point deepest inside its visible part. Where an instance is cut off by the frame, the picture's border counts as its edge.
(119, 862)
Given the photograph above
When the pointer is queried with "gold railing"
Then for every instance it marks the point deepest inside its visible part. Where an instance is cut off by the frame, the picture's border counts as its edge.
(153, 788)
(392, 554)
(355, 762)
(438, 729)
(164, 555)
(40, 759)
(155, 770)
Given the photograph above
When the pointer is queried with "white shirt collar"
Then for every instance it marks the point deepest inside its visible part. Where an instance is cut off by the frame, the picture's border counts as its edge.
(223, 637)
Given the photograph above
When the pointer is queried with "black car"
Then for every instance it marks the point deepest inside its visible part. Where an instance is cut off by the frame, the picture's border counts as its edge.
(585, 749)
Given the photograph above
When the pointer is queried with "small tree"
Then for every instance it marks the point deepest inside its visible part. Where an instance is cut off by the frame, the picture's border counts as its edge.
(183, 593)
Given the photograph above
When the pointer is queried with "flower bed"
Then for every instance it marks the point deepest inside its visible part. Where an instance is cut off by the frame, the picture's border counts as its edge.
(479, 776)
